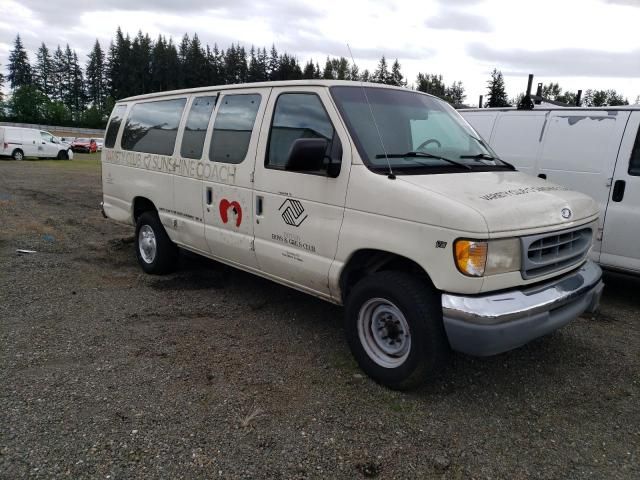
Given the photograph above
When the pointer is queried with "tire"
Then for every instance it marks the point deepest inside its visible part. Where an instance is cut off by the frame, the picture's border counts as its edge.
(396, 302)
(155, 251)
(63, 155)
(17, 154)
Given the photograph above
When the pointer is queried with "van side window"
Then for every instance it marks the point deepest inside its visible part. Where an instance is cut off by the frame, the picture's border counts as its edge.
(634, 162)
(47, 137)
(152, 127)
(299, 115)
(196, 127)
(232, 128)
(114, 126)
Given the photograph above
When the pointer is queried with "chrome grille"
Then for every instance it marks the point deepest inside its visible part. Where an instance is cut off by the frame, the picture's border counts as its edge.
(547, 253)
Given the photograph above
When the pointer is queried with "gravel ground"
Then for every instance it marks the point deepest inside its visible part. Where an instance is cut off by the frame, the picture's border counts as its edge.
(212, 372)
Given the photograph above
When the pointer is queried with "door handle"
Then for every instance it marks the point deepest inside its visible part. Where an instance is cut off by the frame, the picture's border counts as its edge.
(618, 190)
(259, 202)
(542, 176)
(209, 196)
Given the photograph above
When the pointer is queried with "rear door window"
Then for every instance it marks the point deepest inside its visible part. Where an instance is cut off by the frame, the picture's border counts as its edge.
(233, 127)
(196, 128)
(152, 127)
(634, 162)
(114, 126)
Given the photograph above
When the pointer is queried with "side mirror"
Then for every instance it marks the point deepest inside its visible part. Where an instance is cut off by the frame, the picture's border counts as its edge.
(306, 155)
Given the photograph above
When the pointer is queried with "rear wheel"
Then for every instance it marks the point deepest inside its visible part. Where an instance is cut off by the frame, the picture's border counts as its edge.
(155, 251)
(17, 154)
(394, 329)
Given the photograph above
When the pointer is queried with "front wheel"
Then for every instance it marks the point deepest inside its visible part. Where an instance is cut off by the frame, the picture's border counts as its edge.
(155, 251)
(63, 155)
(394, 329)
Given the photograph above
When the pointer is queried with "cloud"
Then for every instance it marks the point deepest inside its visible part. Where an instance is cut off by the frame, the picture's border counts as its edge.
(630, 3)
(455, 20)
(562, 62)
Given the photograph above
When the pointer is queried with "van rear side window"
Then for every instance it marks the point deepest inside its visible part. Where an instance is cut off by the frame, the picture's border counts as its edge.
(196, 127)
(114, 126)
(634, 162)
(152, 127)
(233, 126)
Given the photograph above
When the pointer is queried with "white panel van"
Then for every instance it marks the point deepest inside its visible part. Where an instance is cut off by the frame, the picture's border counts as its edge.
(378, 198)
(592, 150)
(19, 143)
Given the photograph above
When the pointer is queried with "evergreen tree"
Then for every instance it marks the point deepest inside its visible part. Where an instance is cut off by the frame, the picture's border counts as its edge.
(432, 84)
(19, 67)
(273, 63)
(497, 96)
(382, 74)
(551, 91)
(57, 75)
(328, 73)
(119, 67)
(366, 76)
(1, 92)
(309, 70)
(42, 72)
(354, 73)
(396, 76)
(340, 68)
(603, 98)
(68, 80)
(455, 94)
(96, 78)
(78, 93)
(318, 73)
(194, 66)
(28, 104)
(140, 61)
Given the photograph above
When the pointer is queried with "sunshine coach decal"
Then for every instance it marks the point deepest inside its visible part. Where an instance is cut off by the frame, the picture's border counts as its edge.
(184, 167)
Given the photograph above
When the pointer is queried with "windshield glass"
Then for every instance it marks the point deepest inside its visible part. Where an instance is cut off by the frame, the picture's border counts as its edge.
(417, 132)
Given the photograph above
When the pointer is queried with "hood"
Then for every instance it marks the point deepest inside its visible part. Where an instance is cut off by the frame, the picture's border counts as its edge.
(511, 201)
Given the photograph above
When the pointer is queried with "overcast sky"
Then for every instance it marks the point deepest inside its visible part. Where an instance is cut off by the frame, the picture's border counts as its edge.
(578, 43)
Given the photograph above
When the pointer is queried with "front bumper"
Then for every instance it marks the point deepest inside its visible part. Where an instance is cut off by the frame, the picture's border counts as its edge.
(489, 324)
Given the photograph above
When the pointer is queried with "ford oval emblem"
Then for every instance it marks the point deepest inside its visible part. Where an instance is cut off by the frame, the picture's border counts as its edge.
(566, 213)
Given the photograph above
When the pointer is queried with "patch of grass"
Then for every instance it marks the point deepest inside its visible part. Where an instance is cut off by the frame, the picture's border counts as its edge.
(81, 161)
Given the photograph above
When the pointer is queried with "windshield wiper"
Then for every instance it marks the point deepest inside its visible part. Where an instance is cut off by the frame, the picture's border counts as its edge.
(486, 156)
(424, 155)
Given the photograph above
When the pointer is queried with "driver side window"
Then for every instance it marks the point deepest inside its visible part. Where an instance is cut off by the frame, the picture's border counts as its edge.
(47, 137)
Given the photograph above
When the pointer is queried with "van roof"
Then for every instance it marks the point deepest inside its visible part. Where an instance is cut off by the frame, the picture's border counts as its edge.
(284, 83)
(545, 108)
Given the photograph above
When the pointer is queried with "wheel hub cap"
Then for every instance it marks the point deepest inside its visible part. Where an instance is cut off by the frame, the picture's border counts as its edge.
(147, 243)
(384, 332)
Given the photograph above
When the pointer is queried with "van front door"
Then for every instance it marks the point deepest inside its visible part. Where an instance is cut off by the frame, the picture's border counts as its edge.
(299, 213)
(227, 175)
(47, 147)
(621, 236)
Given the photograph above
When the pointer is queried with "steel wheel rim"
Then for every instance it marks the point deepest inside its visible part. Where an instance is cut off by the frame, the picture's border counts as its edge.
(147, 244)
(19, 156)
(384, 332)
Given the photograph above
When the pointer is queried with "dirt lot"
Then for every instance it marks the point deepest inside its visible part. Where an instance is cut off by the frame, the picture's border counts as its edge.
(210, 372)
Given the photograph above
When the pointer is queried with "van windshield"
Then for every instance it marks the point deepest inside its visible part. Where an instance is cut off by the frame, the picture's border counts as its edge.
(415, 133)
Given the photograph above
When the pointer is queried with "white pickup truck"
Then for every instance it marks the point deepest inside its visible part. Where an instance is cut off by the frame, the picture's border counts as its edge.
(379, 198)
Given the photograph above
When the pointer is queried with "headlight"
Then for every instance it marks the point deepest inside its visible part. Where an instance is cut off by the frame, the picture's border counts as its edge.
(477, 258)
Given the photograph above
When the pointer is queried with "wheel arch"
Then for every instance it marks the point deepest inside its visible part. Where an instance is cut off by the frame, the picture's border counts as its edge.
(367, 261)
(139, 205)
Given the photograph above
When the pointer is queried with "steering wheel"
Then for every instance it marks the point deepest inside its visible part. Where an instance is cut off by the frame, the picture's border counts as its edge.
(427, 142)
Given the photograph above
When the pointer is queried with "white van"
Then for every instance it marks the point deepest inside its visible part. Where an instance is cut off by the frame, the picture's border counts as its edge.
(592, 150)
(379, 198)
(19, 143)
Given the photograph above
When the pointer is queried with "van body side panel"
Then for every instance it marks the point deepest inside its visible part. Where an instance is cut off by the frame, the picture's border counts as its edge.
(227, 192)
(621, 235)
(482, 122)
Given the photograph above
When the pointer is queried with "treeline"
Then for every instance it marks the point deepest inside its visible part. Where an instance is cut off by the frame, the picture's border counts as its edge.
(58, 89)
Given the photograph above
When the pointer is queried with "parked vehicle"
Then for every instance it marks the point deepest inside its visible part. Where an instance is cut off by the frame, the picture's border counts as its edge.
(374, 197)
(592, 150)
(99, 143)
(84, 145)
(68, 140)
(19, 143)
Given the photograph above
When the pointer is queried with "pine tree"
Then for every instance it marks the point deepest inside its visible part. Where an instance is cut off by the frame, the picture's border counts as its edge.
(194, 72)
(354, 73)
(551, 91)
(396, 76)
(42, 71)
(309, 70)
(432, 84)
(19, 67)
(455, 94)
(328, 73)
(96, 76)
(382, 75)
(140, 64)
(1, 95)
(497, 96)
(119, 68)
(273, 63)
(57, 75)
(78, 93)
(366, 76)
